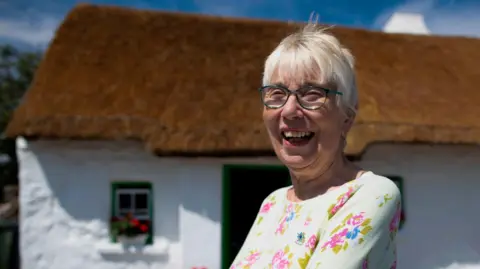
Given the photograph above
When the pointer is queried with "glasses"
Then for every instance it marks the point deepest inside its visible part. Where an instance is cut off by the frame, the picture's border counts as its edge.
(310, 97)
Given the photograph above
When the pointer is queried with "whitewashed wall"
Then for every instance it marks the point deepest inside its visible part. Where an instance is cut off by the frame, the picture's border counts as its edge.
(65, 205)
(442, 202)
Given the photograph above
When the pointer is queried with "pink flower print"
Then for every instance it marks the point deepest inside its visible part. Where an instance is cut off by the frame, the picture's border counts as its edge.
(356, 220)
(335, 208)
(394, 265)
(283, 264)
(342, 200)
(266, 207)
(336, 239)
(365, 264)
(238, 265)
(280, 261)
(289, 208)
(394, 223)
(252, 258)
(339, 204)
(281, 227)
(278, 256)
(312, 242)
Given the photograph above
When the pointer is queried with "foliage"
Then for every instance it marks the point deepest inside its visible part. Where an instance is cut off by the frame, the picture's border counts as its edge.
(128, 226)
(16, 73)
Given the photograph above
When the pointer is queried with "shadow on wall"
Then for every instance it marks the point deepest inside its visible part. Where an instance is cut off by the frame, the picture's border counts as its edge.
(201, 188)
(134, 258)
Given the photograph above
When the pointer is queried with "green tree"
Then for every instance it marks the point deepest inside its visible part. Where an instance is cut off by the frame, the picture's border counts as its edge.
(16, 73)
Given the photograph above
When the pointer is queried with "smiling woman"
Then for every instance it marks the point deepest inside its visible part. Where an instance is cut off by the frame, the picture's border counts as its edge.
(335, 214)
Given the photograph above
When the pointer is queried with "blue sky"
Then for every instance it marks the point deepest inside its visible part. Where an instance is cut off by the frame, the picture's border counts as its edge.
(31, 23)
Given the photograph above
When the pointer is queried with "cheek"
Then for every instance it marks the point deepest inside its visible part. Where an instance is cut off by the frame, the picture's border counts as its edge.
(319, 119)
(270, 120)
(328, 123)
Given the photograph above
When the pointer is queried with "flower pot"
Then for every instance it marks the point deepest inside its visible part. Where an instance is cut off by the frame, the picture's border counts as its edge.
(132, 240)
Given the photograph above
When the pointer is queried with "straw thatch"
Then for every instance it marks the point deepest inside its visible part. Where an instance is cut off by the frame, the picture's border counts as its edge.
(187, 83)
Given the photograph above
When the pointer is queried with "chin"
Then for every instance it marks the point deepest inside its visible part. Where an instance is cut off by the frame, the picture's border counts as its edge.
(294, 160)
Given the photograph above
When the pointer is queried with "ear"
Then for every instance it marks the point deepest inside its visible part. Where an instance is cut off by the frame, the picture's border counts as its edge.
(348, 122)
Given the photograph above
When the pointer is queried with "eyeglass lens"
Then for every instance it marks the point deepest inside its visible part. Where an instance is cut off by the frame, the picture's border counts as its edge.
(308, 97)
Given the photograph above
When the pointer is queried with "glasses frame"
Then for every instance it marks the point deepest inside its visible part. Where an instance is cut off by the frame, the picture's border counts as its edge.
(290, 92)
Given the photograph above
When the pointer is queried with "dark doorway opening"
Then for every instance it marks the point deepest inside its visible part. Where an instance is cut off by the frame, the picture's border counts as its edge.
(244, 189)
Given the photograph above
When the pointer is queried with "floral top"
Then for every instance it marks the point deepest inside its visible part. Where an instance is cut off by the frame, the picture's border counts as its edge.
(352, 226)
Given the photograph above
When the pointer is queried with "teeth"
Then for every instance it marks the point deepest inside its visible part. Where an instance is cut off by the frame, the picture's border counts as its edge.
(296, 134)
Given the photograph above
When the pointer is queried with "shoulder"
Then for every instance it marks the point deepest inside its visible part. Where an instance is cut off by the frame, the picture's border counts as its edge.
(372, 187)
(274, 198)
(372, 184)
(370, 193)
(277, 195)
(362, 225)
(378, 197)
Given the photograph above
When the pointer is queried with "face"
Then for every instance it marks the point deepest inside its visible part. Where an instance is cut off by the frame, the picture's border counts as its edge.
(306, 139)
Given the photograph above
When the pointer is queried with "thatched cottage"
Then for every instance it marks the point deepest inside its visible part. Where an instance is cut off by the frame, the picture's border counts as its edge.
(157, 114)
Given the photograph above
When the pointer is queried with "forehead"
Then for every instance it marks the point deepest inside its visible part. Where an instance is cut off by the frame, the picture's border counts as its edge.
(294, 79)
(294, 72)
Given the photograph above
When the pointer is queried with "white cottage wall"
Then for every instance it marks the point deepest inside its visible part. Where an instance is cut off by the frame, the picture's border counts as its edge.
(65, 204)
(442, 201)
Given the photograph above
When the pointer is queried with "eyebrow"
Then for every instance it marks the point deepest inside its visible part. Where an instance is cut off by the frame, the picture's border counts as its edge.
(313, 84)
(306, 84)
(280, 84)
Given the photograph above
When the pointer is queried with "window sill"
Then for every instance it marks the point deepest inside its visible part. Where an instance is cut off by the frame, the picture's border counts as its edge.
(160, 247)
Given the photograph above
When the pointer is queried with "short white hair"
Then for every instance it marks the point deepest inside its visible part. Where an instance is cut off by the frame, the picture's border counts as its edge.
(312, 53)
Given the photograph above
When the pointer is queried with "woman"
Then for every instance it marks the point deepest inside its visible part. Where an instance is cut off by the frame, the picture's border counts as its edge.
(335, 215)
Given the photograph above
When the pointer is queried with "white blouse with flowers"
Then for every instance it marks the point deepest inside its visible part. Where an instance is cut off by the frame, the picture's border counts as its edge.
(352, 226)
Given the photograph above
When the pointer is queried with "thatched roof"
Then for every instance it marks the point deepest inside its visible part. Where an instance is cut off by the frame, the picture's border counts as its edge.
(187, 83)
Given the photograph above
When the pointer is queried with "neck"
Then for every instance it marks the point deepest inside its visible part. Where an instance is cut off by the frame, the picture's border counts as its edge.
(331, 174)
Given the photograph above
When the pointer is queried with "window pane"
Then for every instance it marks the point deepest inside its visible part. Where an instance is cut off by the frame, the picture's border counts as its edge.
(124, 212)
(125, 201)
(141, 201)
(139, 212)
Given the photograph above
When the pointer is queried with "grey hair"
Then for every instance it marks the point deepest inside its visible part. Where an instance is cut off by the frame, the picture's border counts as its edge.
(313, 53)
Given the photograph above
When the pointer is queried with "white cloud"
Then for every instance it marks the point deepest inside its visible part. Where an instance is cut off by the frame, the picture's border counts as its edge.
(413, 6)
(36, 32)
(451, 19)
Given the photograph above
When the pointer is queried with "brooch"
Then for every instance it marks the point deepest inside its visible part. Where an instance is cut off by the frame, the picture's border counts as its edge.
(300, 238)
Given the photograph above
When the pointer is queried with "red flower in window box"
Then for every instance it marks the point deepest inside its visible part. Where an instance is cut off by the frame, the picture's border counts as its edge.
(129, 226)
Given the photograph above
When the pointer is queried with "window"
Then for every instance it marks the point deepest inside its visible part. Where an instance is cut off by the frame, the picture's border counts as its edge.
(135, 198)
(399, 182)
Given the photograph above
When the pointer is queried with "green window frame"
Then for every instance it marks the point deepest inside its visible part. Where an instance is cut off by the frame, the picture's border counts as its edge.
(132, 189)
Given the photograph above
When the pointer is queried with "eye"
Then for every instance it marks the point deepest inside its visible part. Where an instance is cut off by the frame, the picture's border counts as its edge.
(313, 94)
(273, 92)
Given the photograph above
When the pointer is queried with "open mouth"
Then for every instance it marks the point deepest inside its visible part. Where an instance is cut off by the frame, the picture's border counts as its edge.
(297, 138)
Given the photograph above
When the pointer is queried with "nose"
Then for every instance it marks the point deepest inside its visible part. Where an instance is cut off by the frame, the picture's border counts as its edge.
(292, 109)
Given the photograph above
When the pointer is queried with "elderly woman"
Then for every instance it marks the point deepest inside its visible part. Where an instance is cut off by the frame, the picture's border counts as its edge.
(335, 215)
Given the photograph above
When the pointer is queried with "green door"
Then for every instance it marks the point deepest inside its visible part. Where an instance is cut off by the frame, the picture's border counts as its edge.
(244, 189)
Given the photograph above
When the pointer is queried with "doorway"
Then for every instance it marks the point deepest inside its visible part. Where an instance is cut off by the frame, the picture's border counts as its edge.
(244, 189)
